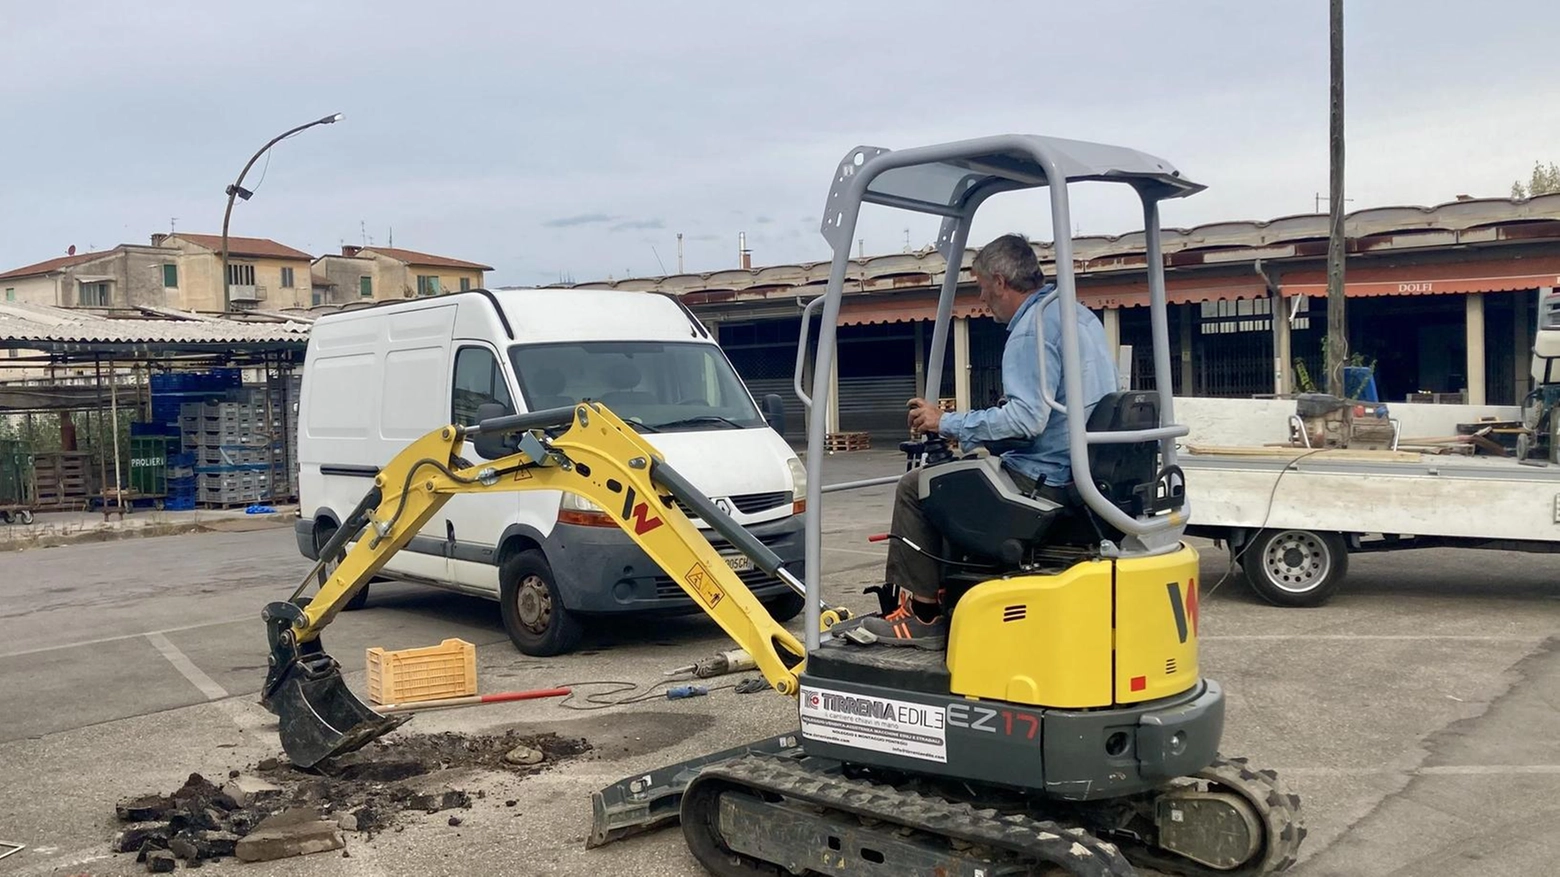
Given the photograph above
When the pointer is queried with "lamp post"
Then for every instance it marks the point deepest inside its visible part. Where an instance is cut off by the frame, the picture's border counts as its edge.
(237, 190)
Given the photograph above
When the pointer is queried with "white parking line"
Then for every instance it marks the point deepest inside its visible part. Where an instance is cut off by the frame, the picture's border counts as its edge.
(113, 639)
(1413, 637)
(184, 665)
(1498, 770)
(859, 551)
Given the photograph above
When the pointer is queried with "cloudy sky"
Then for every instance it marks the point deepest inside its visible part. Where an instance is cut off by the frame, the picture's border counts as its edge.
(575, 140)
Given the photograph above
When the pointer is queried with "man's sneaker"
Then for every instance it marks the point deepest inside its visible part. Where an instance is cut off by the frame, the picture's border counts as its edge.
(903, 628)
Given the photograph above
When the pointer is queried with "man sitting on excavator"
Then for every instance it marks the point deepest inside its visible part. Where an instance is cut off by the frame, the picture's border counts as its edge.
(1038, 451)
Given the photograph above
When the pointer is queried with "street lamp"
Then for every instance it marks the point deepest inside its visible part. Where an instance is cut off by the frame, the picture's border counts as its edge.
(238, 190)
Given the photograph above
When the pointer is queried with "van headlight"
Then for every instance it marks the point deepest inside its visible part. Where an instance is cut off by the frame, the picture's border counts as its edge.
(798, 485)
(576, 509)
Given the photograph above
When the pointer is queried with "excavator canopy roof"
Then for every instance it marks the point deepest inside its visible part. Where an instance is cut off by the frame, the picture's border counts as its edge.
(942, 179)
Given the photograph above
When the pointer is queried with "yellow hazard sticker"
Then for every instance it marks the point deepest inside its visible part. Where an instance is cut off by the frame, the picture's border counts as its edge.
(704, 584)
(522, 474)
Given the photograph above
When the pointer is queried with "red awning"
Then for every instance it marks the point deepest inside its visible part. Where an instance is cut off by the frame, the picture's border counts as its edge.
(1178, 290)
(1490, 275)
(859, 313)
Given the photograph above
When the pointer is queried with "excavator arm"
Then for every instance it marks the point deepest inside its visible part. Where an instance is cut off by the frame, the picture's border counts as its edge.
(597, 456)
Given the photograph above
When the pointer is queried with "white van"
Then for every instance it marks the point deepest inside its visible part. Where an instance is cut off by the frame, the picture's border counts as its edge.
(378, 377)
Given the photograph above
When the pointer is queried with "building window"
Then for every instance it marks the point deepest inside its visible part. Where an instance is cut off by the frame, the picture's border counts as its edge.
(287, 278)
(171, 276)
(10, 293)
(465, 284)
(366, 286)
(318, 298)
(427, 284)
(94, 295)
(241, 275)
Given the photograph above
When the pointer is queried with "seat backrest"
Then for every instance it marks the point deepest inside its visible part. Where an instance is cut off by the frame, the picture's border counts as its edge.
(976, 506)
(1127, 474)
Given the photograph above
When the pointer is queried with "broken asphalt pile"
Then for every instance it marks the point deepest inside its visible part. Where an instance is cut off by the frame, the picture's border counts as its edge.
(278, 810)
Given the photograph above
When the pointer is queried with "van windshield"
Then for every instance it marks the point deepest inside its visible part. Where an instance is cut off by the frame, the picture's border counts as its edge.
(662, 386)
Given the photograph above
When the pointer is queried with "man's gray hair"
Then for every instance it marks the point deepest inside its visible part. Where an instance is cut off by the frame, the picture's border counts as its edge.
(1012, 259)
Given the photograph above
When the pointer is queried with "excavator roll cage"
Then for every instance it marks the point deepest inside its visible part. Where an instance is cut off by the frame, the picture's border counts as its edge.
(594, 454)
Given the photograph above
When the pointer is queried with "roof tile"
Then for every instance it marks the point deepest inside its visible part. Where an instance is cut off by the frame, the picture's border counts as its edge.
(412, 257)
(252, 247)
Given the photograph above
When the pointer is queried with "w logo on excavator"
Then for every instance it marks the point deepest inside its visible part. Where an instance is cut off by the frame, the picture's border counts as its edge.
(1184, 609)
(640, 513)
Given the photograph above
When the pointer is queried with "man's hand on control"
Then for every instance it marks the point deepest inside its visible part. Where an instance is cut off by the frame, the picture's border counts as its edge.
(924, 416)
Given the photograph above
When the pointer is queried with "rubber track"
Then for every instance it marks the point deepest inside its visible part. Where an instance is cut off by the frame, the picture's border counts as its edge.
(1278, 808)
(1072, 849)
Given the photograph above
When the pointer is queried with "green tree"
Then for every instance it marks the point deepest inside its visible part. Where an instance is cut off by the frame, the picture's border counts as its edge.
(1543, 180)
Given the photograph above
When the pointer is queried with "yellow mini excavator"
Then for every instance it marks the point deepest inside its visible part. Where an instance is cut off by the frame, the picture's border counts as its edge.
(1066, 730)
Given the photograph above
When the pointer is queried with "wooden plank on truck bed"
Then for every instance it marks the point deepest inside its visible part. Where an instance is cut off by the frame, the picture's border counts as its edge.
(1278, 452)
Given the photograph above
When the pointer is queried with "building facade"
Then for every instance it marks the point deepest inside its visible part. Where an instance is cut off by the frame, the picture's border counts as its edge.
(384, 273)
(1443, 301)
(261, 273)
(181, 271)
(127, 276)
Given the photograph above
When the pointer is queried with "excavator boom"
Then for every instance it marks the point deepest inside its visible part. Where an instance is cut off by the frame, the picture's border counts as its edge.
(597, 456)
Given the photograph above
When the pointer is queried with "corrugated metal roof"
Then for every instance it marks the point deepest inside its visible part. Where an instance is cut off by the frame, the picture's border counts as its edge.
(1373, 230)
(40, 327)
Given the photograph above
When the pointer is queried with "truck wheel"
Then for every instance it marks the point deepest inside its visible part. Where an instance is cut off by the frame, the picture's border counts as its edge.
(1295, 567)
(533, 612)
(786, 607)
(324, 531)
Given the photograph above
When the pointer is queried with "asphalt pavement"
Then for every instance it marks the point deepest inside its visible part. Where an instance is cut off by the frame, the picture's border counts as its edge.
(1415, 714)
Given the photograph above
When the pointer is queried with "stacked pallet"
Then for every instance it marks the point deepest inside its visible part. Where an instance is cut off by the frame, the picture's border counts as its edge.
(63, 479)
(847, 441)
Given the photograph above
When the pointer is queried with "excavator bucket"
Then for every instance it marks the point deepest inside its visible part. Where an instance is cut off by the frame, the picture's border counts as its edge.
(318, 716)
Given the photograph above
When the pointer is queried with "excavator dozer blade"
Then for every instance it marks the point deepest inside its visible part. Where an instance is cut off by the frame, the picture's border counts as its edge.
(318, 715)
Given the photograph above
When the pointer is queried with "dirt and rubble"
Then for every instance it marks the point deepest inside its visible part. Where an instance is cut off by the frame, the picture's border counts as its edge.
(275, 810)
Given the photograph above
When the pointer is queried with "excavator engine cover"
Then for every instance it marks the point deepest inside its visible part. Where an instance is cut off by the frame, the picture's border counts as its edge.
(318, 715)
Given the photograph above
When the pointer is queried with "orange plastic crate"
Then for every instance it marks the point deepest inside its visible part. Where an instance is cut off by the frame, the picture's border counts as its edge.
(409, 675)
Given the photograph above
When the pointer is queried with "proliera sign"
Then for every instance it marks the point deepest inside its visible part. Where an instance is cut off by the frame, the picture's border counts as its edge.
(914, 730)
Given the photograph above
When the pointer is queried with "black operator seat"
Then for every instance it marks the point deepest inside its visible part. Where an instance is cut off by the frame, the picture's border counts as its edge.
(979, 509)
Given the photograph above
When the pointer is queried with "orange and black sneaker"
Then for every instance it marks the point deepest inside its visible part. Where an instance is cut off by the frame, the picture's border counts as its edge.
(903, 627)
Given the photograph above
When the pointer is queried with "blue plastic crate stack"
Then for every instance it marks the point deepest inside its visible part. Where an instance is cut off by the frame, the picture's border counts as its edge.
(235, 450)
(181, 482)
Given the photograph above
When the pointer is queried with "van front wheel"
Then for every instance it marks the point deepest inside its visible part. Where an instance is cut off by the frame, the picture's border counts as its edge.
(533, 613)
(786, 606)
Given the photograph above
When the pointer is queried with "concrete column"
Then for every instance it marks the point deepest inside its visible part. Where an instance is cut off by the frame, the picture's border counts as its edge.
(920, 358)
(961, 363)
(1475, 344)
(1283, 358)
(1186, 318)
(1522, 363)
(1112, 323)
(832, 422)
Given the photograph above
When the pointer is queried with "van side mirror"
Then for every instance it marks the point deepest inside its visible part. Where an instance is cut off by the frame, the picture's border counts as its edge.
(774, 412)
(491, 446)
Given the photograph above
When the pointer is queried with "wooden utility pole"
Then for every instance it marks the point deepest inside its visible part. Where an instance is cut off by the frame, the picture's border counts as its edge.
(1337, 326)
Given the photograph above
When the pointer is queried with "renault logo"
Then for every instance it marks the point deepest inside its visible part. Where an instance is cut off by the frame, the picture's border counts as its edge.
(724, 505)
